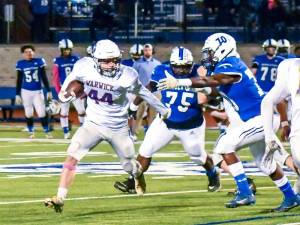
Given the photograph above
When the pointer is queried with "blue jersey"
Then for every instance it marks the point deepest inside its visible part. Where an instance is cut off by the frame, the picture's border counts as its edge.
(244, 95)
(266, 70)
(31, 73)
(287, 55)
(186, 112)
(127, 62)
(65, 66)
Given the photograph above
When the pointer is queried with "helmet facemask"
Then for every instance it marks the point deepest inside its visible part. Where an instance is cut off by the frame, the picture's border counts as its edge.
(182, 69)
(208, 60)
(108, 67)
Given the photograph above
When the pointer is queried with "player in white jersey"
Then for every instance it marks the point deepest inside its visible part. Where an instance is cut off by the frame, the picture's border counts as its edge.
(106, 84)
(287, 84)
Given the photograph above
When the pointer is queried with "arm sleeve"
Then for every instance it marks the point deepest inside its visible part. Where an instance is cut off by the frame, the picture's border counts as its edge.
(56, 80)
(255, 63)
(143, 92)
(275, 95)
(45, 79)
(19, 82)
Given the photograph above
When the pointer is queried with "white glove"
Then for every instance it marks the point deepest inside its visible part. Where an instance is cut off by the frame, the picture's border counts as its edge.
(271, 148)
(166, 115)
(171, 82)
(18, 100)
(64, 99)
(167, 83)
(49, 96)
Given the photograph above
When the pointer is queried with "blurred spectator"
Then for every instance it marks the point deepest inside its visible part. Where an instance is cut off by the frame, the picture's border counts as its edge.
(226, 14)
(40, 26)
(272, 19)
(125, 12)
(103, 18)
(148, 10)
(209, 12)
(248, 18)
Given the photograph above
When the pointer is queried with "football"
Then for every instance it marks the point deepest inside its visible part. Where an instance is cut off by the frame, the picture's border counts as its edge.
(75, 86)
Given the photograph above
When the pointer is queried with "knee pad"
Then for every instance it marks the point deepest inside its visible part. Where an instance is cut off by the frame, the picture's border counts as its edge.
(199, 160)
(131, 166)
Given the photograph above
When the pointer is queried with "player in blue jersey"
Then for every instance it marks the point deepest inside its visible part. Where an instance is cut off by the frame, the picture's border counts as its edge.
(136, 52)
(284, 49)
(238, 87)
(186, 122)
(31, 74)
(264, 66)
(62, 67)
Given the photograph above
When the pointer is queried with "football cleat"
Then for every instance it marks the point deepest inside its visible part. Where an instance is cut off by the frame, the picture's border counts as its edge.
(140, 185)
(241, 200)
(55, 203)
(214, 183)
(48, 135)
(31, 135)
(127, 186)
(67, 135)
(252, 187)
(287, 204)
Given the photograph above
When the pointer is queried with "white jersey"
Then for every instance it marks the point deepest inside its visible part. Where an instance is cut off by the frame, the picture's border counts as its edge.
(287, 84)
(107, 101)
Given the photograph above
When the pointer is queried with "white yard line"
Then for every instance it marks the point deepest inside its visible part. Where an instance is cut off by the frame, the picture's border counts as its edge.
(124, 196)
(166, 177)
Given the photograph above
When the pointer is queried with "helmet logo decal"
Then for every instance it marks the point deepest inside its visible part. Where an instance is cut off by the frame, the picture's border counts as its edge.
(221, 40)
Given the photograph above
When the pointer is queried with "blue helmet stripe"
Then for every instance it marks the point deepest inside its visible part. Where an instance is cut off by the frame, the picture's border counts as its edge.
(66, 41)
(181, 53)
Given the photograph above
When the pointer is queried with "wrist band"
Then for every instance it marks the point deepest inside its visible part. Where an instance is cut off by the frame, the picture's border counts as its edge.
(284, 123)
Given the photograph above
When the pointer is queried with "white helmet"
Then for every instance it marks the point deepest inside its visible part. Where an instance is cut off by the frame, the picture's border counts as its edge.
(136, 51)
(53, 107)
(270, 43)
(181, 61)
(65, 43)
(107, 51)
(283, 45)
(217, 47)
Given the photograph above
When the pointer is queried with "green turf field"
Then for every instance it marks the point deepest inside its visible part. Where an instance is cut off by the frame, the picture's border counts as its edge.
(170, 199)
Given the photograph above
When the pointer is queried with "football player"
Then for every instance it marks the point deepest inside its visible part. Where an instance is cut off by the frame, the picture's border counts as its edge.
(264, 66)
(31, 73)
(136, 52)
(284, 49)
(186, 122)
(106, 83)
(238, 86)
(287, 83)
(62, 67)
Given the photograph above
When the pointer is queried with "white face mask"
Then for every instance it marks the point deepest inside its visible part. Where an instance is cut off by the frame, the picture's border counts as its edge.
(108, 67)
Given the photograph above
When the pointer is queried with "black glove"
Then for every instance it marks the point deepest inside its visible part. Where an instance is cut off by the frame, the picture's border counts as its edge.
(132, 110)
